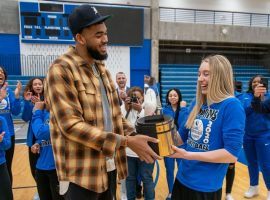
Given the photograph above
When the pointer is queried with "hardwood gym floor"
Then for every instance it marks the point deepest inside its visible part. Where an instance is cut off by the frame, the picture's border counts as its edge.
(24, 186)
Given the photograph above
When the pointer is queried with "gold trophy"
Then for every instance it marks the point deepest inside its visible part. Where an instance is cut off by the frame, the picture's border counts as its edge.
(161, 127)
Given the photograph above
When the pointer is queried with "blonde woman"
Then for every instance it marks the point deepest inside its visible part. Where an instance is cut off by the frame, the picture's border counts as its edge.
(213, 133)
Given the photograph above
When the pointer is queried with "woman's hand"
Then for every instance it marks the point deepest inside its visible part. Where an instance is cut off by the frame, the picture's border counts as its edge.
(35, 148)
(137, 106)
(178, 152)
(39, 105)
(35, 99)
(18, 89)
(2, 136)
(3, 91)
(183, 104)
(27, 95)
(259, 91)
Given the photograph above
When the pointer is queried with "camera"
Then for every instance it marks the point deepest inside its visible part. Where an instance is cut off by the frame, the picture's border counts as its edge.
(133, 99)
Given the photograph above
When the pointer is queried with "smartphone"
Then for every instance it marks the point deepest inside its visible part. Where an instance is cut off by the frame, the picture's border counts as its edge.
(264, 81)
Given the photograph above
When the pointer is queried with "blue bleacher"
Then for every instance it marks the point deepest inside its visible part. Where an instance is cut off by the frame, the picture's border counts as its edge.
(184, 77)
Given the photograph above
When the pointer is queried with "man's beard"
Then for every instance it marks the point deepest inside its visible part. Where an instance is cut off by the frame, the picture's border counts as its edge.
(95, 54)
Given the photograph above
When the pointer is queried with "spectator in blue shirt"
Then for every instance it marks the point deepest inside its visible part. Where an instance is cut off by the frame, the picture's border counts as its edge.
(46, 177)
(257, 136)
(213, 133)
(175, 108)
(33, 93)
(9, 105)
(5, 143)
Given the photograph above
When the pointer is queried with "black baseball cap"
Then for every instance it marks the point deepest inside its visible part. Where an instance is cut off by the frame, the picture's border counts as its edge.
(83, 16)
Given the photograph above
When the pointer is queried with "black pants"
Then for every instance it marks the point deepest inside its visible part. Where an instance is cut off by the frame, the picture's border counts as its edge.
(77, 192)
(9, 158)
(5, 184)
(230, 177)
(33, 157)
(48, 185)
(181, 192)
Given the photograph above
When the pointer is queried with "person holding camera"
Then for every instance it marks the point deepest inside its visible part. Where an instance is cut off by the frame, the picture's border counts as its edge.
(257, 104)
(257, 137)
(132, 110)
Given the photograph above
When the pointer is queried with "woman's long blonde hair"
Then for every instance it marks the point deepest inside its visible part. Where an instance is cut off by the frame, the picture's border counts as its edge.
(220, 85)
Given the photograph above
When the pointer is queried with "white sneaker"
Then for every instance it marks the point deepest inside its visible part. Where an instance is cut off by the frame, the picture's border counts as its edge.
(252, 191)
(229, 197)
(36, 197)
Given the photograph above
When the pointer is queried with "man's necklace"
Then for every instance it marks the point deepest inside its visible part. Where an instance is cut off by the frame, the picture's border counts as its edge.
(96, 73)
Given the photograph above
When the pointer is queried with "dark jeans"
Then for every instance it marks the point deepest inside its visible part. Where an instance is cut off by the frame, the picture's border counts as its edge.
(170, 165)
(137, 167)
(5, 185)
(33, 157)
(230, 177)
(9, 158)
(48, 185)
(181, 192)
(77, 192)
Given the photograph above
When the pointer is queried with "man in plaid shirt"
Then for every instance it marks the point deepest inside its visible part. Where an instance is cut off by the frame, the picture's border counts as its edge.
(88, 133)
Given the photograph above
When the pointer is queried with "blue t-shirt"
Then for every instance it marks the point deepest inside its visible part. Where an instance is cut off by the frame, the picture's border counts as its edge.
(6, 142)
(41, 130)
(221, 125)
(10, 106)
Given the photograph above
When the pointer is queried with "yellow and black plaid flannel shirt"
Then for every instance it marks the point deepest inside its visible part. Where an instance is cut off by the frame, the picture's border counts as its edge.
(79, 143)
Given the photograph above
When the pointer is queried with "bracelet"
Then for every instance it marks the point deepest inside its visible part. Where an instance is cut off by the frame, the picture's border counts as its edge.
(126, 141)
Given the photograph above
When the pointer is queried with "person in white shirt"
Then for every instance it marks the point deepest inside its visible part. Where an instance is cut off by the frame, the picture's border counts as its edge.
(132, 110)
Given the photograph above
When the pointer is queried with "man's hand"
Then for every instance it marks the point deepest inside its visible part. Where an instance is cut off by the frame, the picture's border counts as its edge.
(35, 148)
(2, 136)
(259, 90)
(139, 145)
(122, 95)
